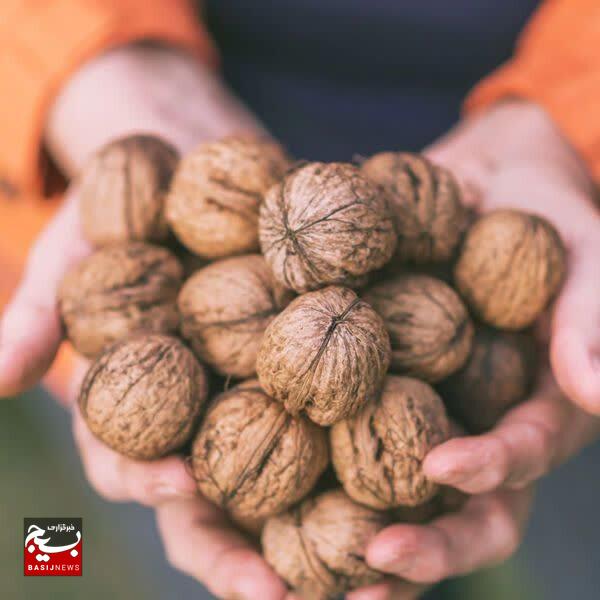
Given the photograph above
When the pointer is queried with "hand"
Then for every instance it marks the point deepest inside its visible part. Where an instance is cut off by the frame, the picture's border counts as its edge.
(163, 92)
(485, 531)
(513, 156)
(132, 89)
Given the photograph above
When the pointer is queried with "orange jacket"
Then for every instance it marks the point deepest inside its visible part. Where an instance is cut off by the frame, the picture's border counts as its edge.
(556, 64)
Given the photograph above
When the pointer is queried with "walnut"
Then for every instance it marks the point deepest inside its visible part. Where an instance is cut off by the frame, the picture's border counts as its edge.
(319, 547)
(216, 192)
(119, 290)
(378, 454)
(326, 354)
(123, 188)
(511, 265)
(225, 309)
(498, 375)
(253, 458)
(325, 224)
(429, 326)
(426, 199)
(142, 397)
(447, 499)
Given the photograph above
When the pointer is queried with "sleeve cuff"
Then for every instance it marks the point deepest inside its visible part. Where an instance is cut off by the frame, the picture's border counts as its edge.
(43, 43)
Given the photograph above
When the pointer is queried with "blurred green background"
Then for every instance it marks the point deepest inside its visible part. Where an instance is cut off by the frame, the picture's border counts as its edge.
(42, 476)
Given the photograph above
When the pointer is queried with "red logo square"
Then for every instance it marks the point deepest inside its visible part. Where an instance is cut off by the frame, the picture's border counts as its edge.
(52, 547)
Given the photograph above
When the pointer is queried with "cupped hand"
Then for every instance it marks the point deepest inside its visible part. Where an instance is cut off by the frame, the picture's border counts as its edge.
(514, 157)
(133, 89)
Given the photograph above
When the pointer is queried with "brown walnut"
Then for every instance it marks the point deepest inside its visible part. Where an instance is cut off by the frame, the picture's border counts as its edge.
(119, 290)
(429, 326)
(216, 191)
(427, 204)
(319, 547)
(511, 265)
(325, 224)
(225, 309)
(378, 453)
(326, 354)
(447, 499)
(253, 458)
(142, 397)
(123, 190)
(498, 375)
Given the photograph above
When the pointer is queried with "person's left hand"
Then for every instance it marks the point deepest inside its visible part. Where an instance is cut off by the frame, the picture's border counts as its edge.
(511, 157)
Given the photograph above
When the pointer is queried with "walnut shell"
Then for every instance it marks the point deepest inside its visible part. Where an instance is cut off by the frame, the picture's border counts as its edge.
(319, 547)
(325, 224)
(378, 454)
(119, 290)
(511, 265)
(499, 374)
(142, 397)
(225, 309)
(216, 191)
(429, 326)
(253, 458)
(427, 204)
(123, 189)
(326, 354)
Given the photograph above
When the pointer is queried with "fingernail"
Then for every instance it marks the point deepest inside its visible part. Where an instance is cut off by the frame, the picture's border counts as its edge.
(458, 468)
(168, 492)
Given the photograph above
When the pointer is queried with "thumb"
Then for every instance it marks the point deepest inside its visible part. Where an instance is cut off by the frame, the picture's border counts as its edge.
(575, 343)
(30, 329)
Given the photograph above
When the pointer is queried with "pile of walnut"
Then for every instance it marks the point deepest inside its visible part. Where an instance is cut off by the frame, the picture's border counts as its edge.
(302, 296)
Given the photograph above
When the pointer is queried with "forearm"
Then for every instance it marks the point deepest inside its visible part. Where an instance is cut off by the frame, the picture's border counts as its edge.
(141, 88)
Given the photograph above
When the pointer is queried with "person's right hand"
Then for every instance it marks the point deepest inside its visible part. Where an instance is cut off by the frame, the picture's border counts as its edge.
(132, 89)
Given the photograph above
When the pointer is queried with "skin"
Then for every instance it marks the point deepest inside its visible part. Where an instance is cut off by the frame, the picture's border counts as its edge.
(511, 155)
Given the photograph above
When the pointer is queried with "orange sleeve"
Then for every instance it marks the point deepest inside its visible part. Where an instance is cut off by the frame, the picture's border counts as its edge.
(43, 42)
(556, 65)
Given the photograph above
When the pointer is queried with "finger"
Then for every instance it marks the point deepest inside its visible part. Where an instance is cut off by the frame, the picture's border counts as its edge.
(530, 440)
(521, 448)
(200, 542)
(487, 530)
(121, 479)
(575, 346)
(30, 331)
(392, 589)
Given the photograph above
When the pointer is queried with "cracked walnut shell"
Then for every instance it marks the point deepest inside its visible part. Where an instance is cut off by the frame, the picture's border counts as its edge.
(429, 326)
(119, 290)
(326, 354)
(325, 224)
(378, 454)
(511, 265)
(253, 458)
(142, 397)
(216, 191)
(123, 189)
(427, 204)
(225, 309)
(319, 547)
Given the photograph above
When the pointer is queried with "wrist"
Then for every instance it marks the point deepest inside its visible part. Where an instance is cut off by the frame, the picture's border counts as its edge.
(517, 132)
(141, 88)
